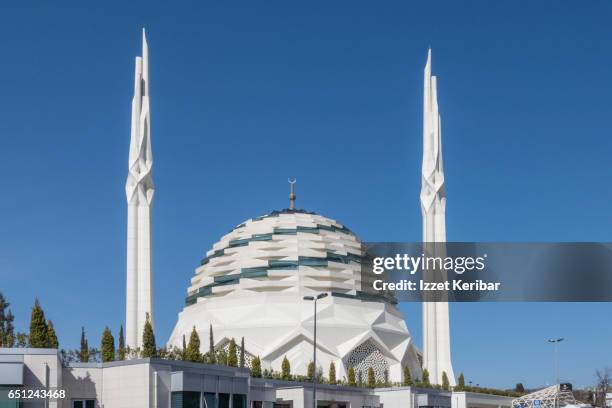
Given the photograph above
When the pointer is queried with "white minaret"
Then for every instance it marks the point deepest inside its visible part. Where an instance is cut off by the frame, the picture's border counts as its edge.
(139, 191)
(436, 331)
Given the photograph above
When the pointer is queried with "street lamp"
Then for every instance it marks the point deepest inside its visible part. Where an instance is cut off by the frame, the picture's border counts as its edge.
(314, 352)
(556, 342)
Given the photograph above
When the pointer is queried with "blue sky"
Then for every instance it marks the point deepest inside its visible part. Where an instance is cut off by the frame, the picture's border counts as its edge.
(247, 94)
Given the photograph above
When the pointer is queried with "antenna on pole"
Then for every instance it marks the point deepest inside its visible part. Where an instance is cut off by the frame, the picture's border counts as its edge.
(291, 194)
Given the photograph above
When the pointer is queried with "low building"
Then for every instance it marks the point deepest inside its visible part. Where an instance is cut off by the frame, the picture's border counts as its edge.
(40, 379)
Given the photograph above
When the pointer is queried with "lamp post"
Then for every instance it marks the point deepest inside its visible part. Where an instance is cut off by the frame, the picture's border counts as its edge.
(556, 342)
(314, 353)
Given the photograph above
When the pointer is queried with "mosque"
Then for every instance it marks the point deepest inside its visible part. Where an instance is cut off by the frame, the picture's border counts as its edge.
(258, 282)
(251, 284)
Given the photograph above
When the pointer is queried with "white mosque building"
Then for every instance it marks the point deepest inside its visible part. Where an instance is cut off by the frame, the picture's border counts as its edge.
(251, 284)
(255, 283)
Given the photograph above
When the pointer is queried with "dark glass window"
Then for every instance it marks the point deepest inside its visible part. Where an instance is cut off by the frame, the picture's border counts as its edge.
(185, 399)
(224, 401)
(90, 403)
(77, 404)
(210, 400)
(238, 401)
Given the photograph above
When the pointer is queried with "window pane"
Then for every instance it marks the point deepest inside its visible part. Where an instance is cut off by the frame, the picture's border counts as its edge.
(77, 404)
(224, 400)
(210, 400)
(238, 401)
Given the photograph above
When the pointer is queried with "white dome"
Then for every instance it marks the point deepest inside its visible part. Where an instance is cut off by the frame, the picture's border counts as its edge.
(252, 282)
(284, 251)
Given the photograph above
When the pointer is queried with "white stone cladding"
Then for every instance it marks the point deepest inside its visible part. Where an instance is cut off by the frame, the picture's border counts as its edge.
(251, 285)
(436, 326)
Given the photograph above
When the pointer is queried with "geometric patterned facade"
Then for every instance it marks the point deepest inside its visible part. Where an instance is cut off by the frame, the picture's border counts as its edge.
(251, 285)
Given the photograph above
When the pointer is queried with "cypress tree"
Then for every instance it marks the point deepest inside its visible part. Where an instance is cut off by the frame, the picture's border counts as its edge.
(310, 372)
(212, 358)
(351, 377)
(426, 377)
(7, 330)
(149, 349)
(184, 349)
(285, 369)
(107, 346)
(332, 373)
(3, 306)
(51, 336)
(360, 379)
(407, 377)
(84, 351)
(371, 378)
(221, 357)
(256, 367)
(232, 357)
(242, 356)
(386, 381)
(192, 353)
(445, 382)
(121, 350)
(460, 383)
(38, 327)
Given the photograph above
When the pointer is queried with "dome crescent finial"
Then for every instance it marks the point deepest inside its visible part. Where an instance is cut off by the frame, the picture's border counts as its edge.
(291, 193)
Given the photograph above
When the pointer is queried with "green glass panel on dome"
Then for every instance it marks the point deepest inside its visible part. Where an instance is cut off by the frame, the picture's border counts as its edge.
(239, 242)
(254, 272)
(278, 264)
(261, 237)
(285, 231)
(311, 261)
(312, 230)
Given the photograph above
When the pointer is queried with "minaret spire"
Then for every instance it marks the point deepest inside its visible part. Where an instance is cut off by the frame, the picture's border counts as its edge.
(436, 331)
(139, 191)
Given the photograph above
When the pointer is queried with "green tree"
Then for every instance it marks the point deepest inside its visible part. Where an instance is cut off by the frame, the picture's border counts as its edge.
(332, 373)
(386, 380)
(371, 378)
(256, 367)
(7, 330)
(285, 369)
(351, 377)
(221, 357)
(445, 382)
(232, 357)
(84, 351)
(242, 357)
(51, 336)
(460, 383)
(38, 327)
(407, 377)
(107, 346)
(192, 352)
(426, 377)
(21, 339)
(310, 371)
(121, 350)
(184, 349)
(149, 349)
(211, 347)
